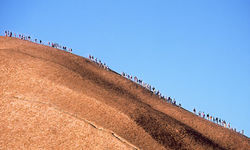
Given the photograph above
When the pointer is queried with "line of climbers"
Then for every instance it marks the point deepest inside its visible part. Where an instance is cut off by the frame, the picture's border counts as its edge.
(130, 77)
(151, 89)
(216, 120)
(28, 38)
(99, 62)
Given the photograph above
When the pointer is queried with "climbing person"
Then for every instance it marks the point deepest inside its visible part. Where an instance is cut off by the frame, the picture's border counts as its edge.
(194, 110)
(203, 114)
(174, 101)
(224, 123)
(135, 79)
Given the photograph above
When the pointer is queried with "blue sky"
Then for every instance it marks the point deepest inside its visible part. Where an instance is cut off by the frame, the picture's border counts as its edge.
(195, 51)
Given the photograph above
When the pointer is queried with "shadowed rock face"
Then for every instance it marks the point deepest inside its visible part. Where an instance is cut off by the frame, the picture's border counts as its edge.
(53, 99)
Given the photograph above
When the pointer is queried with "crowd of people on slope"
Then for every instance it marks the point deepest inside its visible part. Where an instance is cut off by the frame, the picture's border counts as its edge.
(152, 89)
(28, 38)
(147, 86)
(99, 62)
(167, 99)
(216, 120)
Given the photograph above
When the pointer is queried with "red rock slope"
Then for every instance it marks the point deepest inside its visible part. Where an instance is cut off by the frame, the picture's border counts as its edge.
(52, 99)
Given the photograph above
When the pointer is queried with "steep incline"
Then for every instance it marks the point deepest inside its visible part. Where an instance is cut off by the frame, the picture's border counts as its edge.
(54, 98)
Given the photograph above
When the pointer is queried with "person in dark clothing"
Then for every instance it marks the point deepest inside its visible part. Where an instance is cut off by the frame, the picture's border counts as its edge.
(194, 111)
(174, 102)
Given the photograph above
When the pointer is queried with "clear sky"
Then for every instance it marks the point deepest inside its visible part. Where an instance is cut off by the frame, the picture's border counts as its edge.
(195, 51)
